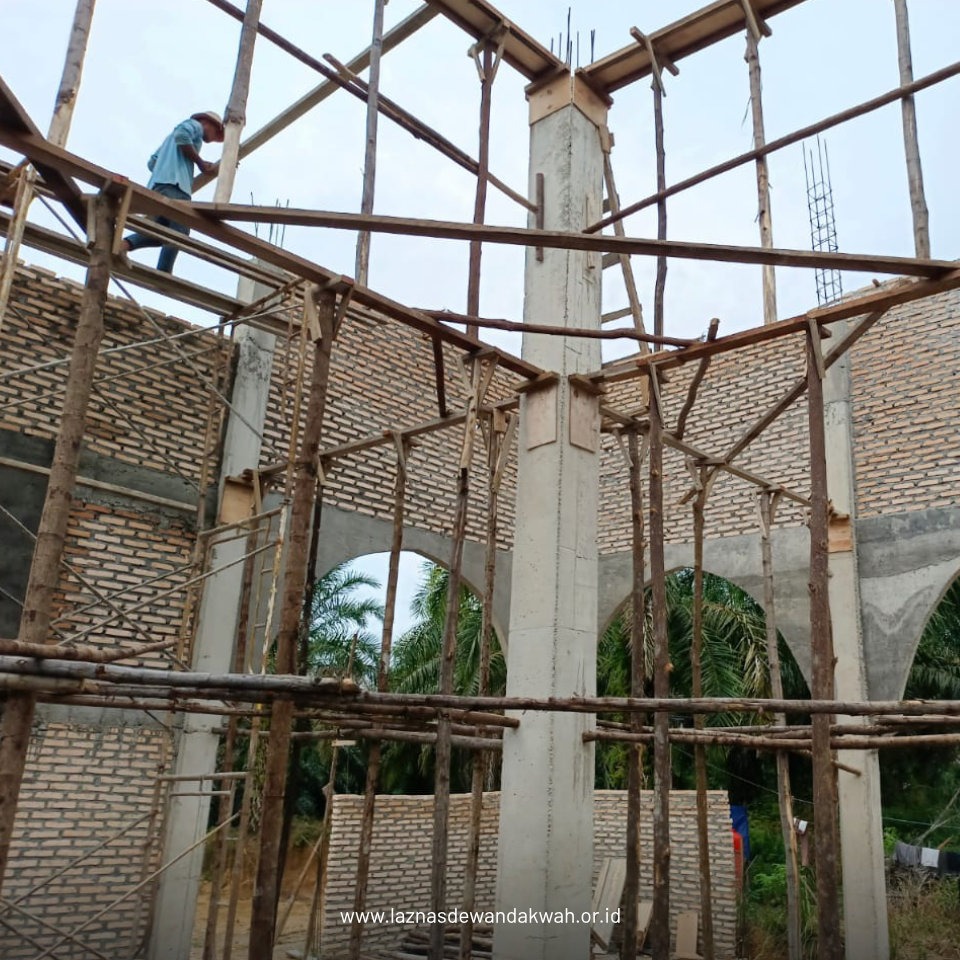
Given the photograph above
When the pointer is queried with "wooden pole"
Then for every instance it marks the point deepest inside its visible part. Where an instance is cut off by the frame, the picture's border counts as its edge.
(487, 73)
(498, 453)
(370, 157)
(57, 134)
(826, 822)
(18, 708)
(662, 772)
(383, 672)
(264, 908)
(629, 281)
(441, 792)
(768, 508)
(911, 145)
(700, 750)
(661, 282)
(764, 215)
(638, 670)
(235, 116)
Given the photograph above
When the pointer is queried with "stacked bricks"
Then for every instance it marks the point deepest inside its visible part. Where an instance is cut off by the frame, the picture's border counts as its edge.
(82, 786)
(401, 857)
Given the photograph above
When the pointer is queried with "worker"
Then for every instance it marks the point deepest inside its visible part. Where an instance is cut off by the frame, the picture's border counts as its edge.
(171, 174)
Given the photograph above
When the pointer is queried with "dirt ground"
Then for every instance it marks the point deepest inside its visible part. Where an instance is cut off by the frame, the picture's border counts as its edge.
(294, 932)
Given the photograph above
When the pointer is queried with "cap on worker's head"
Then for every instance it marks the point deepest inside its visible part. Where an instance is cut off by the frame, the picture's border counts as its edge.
(214, 118)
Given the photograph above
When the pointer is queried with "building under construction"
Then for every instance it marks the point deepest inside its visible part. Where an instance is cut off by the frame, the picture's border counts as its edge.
(169, 492)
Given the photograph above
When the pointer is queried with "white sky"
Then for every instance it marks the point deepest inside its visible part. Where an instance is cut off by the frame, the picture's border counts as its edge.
(150, 65)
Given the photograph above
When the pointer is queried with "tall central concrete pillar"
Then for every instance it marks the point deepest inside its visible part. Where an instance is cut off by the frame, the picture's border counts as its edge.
(545, 859)
(861, 824)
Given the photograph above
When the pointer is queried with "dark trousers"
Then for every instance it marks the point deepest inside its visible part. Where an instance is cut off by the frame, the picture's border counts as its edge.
(168, 254)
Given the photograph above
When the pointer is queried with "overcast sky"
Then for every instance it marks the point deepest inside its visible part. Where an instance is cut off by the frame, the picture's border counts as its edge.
(152, 64)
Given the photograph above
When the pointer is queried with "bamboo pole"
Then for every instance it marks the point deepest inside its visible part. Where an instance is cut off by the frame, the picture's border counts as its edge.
(804, 133)
(662, 773)
(911, 145)
(370, 156)
(699, 750)
(264, 909)
(441, 792)
(56, 134)
(768, 507)
(661, 281)
(235, 116)
(826, 823)
(764, 215)
(383, 673)
(18, 709)
(487, 73)
(638, 670)
(498, 452)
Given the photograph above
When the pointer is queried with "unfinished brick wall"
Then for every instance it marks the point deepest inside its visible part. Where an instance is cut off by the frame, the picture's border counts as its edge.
(87, 790)
(400, 861)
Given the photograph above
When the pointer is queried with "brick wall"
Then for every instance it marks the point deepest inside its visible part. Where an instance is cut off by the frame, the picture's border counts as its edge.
(83, 785)
(400, 860)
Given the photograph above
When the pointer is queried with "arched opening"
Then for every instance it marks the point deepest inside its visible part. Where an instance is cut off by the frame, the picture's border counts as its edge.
(920, 791)
(735, 663)
(349, 602)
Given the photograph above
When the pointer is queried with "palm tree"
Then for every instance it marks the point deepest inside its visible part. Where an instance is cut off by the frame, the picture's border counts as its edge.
(337, 615)
(733, 659)
(416, 669)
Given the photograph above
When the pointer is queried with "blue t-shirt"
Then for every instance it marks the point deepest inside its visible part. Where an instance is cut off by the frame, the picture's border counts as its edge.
(168, 164)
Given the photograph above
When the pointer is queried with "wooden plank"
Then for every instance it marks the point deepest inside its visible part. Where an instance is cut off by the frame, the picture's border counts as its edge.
(606, 897)
(687, 924)
(699, 30)
(561, 240)
(48, 241)
(644, 913)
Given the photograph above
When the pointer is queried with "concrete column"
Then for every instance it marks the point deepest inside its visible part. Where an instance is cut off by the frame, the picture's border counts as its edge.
(187, 817)
(861, 824)
(545, 858)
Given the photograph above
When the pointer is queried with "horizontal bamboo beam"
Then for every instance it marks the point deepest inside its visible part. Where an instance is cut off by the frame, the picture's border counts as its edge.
(564, 240)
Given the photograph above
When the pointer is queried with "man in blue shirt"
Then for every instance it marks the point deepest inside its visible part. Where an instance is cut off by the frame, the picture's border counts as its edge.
(171, 174)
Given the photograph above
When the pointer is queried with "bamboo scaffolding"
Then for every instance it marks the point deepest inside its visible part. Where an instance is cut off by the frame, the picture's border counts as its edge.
(699, 751)
(767, 504)
(804, 133)
(911, 145)
(487, 68)
(764, 214)
(370, 157)
(18, 709)
(661, 281)
(59, 130)
(827, 834)
(499, 445)
(383, 674)
(638, 670)
(662, 772)
(441, 791)
(235, 116)
(264, 909)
